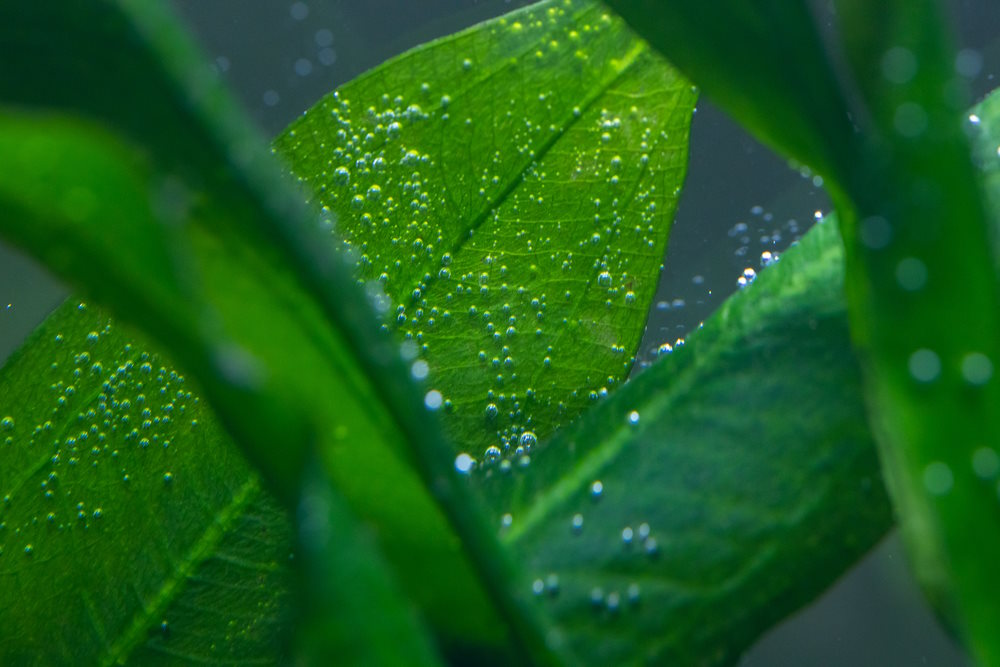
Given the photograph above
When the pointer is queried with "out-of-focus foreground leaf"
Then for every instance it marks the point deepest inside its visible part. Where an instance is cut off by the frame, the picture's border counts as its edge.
(133, 530)
(511, 190)
(718, 491)
(156, 198)
(924, 300)
(922, 282)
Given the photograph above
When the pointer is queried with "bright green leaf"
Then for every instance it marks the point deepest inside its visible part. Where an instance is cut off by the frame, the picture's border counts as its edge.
(131, 529)
(511, 189)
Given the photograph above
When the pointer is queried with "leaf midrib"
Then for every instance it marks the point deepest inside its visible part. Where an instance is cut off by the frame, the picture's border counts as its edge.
(487, 212)
(173, 585)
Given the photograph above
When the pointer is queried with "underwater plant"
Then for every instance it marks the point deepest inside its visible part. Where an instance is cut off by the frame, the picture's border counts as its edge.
(364, 398)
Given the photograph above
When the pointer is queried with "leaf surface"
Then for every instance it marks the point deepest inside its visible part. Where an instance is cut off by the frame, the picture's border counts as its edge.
(131, 528)
(511, 190)
(719, 490)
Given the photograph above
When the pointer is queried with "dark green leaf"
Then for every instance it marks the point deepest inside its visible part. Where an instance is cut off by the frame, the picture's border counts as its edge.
(925, 305)
(922, 282)
(511, 188)
(716, 492)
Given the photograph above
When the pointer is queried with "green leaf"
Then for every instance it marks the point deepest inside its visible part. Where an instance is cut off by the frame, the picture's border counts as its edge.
(716, 492)
(924, 302)
(922, 280)
(351, 603)
(131, 529)
(511, 189)
(221, 264)
(764, 63)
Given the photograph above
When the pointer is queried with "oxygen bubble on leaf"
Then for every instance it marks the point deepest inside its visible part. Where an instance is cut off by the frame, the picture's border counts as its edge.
(433, 399)
(899, 65)
(576, 524)
(464, 463)
(652, 548)
(538, 587)
(643, 531)
(924, 365)
(938, 478)
(341, 176)
(911, 274)
(627, 535)
(875, 232)
(596, 490)
(985, 463)
(7, 424)
(968, 63)
(633, 594)
(528, 439)
(977, 369)
(552, 584)
(419, 370)
(633, 417)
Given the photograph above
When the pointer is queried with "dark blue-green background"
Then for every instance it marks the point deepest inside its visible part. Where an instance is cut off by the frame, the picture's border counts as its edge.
(739, 200)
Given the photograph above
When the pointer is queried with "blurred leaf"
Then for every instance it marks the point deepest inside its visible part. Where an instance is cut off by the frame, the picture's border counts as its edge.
(170, 211)
(351, 603)
(718, 491)
(511, 189)
(921, 277)
(131, 529)
(925, 305)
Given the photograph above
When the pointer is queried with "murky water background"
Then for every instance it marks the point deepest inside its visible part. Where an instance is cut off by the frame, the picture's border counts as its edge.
(740, 203)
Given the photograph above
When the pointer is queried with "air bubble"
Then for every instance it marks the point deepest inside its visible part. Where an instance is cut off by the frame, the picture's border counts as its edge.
(938, 478)
(977, 369)
(911, 274)
(419, 370)
(433, 399)
(924, 365)
(464, 463)
(7, 424)
(985, 463)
